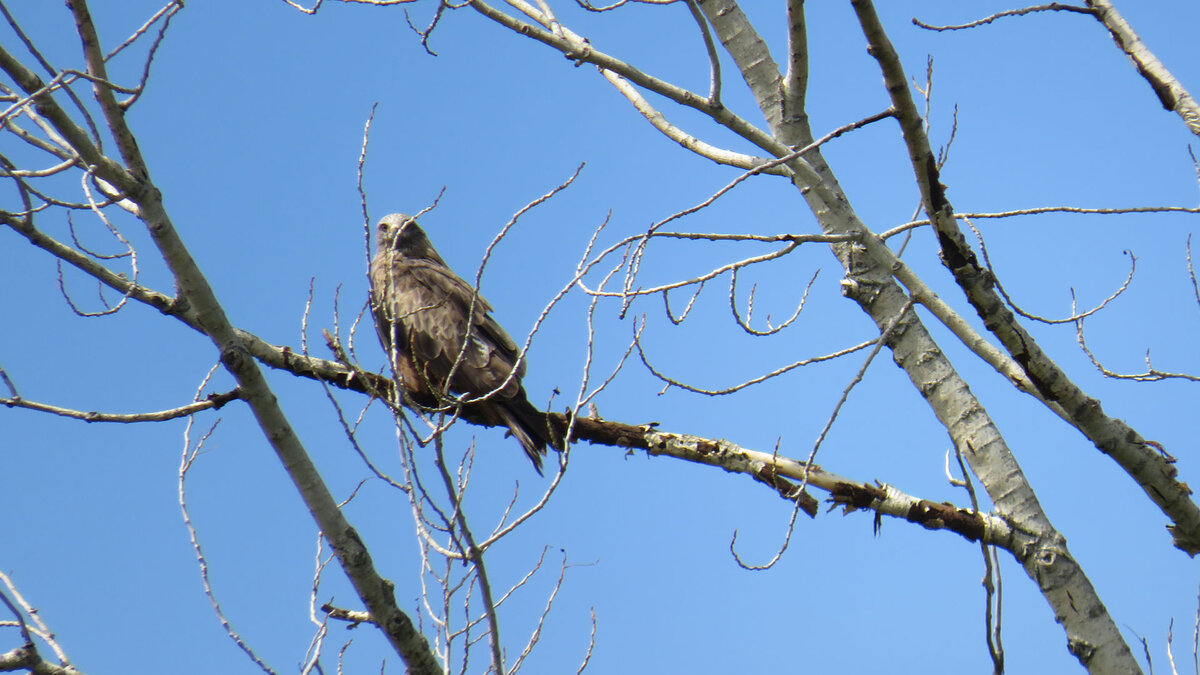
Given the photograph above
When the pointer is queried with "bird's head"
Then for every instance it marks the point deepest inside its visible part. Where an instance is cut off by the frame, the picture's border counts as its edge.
(399, 232)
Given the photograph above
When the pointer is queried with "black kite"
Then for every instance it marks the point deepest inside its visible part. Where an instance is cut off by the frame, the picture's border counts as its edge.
(421, 309)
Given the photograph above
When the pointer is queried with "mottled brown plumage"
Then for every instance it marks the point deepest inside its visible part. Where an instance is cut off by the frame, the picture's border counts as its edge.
(421, 310)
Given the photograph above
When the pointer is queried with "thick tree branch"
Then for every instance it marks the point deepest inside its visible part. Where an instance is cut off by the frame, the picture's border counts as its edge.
(1111, 436)
(114, 114)
(1171, 94)
(770, 469)
(758, 69)
(795, 81)
(27, 658)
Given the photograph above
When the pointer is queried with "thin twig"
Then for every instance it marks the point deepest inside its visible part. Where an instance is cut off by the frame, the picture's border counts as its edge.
(1046, 209)
(187, 459)
(752, 381)
(211, 402)
(1152, 374)
(1051, 7)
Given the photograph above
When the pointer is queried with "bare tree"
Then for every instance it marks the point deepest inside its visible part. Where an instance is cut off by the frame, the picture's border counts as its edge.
(72, 151)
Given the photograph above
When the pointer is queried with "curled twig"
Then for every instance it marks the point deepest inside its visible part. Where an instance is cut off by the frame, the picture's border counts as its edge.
(987, 261)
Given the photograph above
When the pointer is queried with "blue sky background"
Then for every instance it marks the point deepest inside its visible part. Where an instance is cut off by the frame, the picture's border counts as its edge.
(252, 126)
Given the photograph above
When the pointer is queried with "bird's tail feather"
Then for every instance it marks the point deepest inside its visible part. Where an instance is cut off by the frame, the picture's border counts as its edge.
(529, 427)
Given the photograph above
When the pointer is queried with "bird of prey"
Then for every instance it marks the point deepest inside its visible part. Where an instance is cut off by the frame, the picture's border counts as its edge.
(427, 316)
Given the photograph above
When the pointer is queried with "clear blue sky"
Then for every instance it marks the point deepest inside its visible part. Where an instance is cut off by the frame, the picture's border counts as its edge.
(252, 126)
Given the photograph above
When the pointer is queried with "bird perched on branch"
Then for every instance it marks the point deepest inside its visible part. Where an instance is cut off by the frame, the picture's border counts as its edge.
(435, 327)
